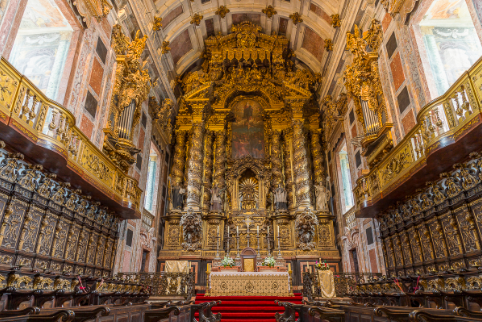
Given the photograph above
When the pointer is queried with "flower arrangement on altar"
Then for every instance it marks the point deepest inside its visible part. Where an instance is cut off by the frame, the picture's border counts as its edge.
(269, 261)
(322, 266)
(227, 261)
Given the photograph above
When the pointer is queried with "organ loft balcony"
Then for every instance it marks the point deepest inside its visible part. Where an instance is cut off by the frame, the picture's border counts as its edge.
(45, 133)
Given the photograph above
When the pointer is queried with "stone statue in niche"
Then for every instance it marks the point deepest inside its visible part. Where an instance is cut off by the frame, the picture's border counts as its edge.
(280, 198)
(177, 196)
(323, 195)
(216, 199)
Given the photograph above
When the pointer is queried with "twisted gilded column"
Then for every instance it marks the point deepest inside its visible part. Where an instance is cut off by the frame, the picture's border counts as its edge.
(177, 170)
(318, 169)
(288, 137)
(276, 175)
(302, 177)
(187, 157)
(194, 175)
(208, 169)
(219, 160)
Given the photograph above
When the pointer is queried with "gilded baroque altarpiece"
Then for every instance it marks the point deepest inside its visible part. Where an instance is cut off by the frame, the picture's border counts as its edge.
(248, 154)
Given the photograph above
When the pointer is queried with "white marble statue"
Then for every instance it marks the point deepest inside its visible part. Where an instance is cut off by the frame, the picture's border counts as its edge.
(323, 195)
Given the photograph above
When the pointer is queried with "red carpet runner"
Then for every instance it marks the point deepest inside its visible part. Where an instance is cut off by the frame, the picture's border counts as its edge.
(248, 308)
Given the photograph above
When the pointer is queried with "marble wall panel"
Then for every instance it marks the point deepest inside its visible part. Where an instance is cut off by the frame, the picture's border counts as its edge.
(386, 21)
(408, 121)
(173, 14)
(283, 26)
(313, 44)
(86, 126)
(96, 76)
(320, 13)
(397, 71)
(180, 46)
(252, 17)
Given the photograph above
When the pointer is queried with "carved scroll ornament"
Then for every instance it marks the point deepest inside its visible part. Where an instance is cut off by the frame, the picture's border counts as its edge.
(89, 9)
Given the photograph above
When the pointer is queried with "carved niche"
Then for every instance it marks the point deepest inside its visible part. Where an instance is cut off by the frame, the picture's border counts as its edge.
(191, 224)
(245, 192)
(305, 226)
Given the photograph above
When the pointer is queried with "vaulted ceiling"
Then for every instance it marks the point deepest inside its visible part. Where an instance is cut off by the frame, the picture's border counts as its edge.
(186, 38)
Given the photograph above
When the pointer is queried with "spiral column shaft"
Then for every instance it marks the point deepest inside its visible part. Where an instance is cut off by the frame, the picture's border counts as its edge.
(177, 170)
(288, 136)
(318, 169)
(303, 198)
(276, 174)
(219, 161)
(194, 175)
(208, 169)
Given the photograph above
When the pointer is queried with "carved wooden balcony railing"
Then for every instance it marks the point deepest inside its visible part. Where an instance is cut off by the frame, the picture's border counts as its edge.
(162, 284)
(447, 130)
(45, 132)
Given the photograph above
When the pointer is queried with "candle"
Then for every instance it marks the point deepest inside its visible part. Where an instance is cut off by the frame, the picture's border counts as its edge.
(278, 231)
(209, 268)
(268, 230)
(237, 230)
(307, 266)
(289, 266)
(218, 230)
(257, 229)
(228, 230)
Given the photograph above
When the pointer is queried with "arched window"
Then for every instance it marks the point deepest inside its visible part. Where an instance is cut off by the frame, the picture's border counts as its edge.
(41, 46)
(344, 176)
(150, 198)
(450, 43)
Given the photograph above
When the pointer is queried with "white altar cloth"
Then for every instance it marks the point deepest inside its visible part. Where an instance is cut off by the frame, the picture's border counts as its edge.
(249, 284)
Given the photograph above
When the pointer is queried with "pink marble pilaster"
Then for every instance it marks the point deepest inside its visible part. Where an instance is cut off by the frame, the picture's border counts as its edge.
(10, 24)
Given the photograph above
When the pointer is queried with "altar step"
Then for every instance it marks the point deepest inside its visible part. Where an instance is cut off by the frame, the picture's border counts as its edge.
(248, 308)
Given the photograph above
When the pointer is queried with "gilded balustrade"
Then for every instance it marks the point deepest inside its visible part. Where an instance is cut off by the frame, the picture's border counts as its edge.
(440, 123)
(24, 108)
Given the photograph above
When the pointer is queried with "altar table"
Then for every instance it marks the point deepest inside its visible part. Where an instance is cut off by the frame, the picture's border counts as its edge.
(249, 284)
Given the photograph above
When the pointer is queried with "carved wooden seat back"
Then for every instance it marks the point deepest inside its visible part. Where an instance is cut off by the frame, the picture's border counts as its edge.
(248, 260)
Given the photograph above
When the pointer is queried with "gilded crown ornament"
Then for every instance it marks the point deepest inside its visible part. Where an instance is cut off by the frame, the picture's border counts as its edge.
(335, 21)
(156, 26)
(222, 11)
(269, 11)
(296, 18)
(196, 19)
(165, 47)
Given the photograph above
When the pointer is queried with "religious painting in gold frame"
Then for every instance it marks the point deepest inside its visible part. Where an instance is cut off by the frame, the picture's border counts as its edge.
(247, 129)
